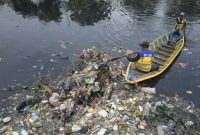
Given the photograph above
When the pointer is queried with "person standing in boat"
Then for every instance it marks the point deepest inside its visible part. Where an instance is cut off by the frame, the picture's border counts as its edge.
(180, 25)
(143, 60)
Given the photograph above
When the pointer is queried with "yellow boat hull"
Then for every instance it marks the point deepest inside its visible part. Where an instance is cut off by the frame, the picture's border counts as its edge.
(165, 55)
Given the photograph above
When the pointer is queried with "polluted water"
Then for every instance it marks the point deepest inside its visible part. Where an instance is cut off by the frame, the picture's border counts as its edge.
(91, 98)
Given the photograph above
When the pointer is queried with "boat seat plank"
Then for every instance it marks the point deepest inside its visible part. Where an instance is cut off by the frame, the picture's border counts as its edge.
(163, 53)
(165, 49)
(169, 46)
(158, 61)
(162, 57)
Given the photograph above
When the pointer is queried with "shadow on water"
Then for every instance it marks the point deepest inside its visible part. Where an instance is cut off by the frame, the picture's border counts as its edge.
(85, 12)
(88, 12)
(45, 10)
(139, 7)
(190, 7)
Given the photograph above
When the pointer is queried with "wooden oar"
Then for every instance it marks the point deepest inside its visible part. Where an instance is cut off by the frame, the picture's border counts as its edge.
(116, 58)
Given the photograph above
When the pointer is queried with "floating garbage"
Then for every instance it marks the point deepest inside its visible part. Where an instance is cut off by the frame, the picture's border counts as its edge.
(93, 100)
(23, 132)
(63, 46)
(34, 66)
(61, 42)
(101, 132)
(160, 130)
(185, 49)
(33, 118)
(149, 90)
(189, 92)
(103, 113)
(26, 108)
(52, 60)
(142, 124)
(75, 128)
(188, 53)
(91, 110)
(25, 105)
(7, 119)
(182, 65)
(15, 133)
(54, 100)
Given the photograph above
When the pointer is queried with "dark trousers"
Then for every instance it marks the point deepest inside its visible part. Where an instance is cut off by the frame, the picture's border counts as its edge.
(154, 67)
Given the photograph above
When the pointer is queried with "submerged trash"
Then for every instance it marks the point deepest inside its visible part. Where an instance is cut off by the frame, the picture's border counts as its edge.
(182, 65)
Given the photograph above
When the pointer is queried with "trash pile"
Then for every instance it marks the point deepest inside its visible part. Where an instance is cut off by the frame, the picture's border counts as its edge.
(91, 99)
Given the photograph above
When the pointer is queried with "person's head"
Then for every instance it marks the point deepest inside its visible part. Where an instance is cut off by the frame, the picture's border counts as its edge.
(144, 45)
(182, 15)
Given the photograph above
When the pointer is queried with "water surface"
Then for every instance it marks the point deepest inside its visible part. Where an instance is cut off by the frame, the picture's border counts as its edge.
(30, 31)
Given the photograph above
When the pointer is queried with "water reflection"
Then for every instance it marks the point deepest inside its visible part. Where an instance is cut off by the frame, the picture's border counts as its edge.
(140, 6)
(85, 12)
(2, 2)
(190, 7)
(88, 12)
(46, 10)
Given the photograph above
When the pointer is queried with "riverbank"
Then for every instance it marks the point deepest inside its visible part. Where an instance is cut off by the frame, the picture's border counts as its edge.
(91, 98)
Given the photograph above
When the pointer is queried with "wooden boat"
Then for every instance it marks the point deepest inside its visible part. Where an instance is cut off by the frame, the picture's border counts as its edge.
(165, 54)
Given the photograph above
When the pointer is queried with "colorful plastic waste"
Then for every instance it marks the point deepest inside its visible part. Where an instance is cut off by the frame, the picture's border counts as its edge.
(103, 113)
(23, 132)
(26, 108)
(75, 128)
(33, 118)
(95, 100)
(189, 92)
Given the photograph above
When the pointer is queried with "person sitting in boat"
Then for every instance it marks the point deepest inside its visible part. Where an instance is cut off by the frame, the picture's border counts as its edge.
(143, 60)
(180, 25)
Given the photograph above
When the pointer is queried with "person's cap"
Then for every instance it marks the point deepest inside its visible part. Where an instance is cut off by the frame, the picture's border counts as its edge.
(182, 14)
(144, 45)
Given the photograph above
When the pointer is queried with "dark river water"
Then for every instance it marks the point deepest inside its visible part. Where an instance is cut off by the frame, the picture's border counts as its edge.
(31, 31)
